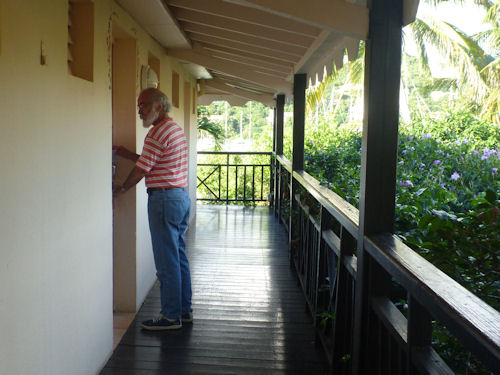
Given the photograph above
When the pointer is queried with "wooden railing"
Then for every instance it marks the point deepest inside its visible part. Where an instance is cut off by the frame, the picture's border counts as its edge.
(324, 233)
(226, 177)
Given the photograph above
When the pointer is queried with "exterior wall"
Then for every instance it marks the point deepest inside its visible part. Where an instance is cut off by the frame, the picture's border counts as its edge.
(56, 265)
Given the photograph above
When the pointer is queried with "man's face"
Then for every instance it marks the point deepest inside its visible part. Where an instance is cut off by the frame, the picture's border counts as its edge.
(147, 110)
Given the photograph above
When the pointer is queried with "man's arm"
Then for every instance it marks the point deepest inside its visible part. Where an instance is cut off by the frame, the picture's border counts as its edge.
(125, 153)
(133, 178)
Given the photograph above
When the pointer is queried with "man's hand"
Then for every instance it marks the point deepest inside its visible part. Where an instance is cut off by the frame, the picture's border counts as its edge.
(118, 190)
(125, 153)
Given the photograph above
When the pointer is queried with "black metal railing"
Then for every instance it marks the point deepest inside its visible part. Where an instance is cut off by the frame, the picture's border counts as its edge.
(324, 236)
(234, 177)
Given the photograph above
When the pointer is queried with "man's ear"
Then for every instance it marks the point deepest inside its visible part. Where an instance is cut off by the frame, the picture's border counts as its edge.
(158, 106)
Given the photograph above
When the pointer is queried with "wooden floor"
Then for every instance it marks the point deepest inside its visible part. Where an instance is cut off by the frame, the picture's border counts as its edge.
(249, 312)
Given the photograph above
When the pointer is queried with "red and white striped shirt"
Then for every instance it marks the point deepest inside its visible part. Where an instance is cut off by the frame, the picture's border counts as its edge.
(165, 156)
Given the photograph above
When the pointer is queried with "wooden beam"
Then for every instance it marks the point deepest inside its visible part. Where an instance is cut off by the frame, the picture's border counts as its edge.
(246, 28)
(254, 16)
(280, 114)
(378, 159)
(219, 84)
(246, 55)
(334, 15)
(231, 69)
(252, 62)
(265, 52)
(242, 38)
(253, 66)
(299, 118)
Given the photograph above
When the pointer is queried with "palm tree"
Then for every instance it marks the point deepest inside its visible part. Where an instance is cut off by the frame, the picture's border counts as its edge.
(477, 72)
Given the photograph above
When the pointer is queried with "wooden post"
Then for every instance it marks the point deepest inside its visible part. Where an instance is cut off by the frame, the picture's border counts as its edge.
(299, 117)
(378, 158)
(279, 118)
(280, 112)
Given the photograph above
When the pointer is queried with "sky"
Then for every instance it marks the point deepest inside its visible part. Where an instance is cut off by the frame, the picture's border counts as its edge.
(468, 17)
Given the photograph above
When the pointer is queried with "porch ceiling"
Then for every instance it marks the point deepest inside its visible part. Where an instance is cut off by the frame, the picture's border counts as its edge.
(250, 49)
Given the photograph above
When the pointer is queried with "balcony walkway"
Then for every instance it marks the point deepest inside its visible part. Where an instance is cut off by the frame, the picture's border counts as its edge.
(249, 312)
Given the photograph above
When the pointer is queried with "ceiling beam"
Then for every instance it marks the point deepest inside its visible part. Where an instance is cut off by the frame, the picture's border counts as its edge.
(229, 68)
(219, 84)
(246, 55)
(260, 31)
(242, 38)
(283, 56)
(252, 63)
(334, 15)
(255, 16)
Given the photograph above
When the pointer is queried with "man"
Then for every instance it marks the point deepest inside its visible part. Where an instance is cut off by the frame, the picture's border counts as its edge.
(164, 163)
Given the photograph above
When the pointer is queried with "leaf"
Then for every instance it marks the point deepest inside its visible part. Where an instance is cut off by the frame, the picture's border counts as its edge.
(443, 215)
(420, 191)
(490, 196)
(424, 221)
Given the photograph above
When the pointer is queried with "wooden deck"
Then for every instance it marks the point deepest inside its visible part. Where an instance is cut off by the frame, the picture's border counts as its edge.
(249, 312)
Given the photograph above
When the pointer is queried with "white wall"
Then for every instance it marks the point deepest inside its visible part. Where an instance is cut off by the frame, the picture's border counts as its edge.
(55, 194)
(55, 216)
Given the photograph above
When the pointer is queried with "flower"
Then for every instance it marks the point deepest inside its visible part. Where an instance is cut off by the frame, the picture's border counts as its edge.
(458, 143)
(406, 183)
(494, 170)
(404, 152)
(401, 162)
(442, 185)
(422, 165)
(436, 162)
(425, 136)
(455, 176)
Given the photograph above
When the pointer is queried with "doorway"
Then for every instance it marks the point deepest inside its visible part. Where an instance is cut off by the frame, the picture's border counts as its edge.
(124, 208)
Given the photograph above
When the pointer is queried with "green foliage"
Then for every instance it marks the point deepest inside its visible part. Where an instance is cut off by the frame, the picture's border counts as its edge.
(447, 200)
(447, 190)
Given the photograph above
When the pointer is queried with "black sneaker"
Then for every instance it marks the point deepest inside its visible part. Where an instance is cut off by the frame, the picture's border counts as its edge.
(161, 324)
(187, 317)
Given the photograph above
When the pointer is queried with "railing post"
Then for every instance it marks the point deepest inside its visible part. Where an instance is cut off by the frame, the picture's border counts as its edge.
(299, 115)
(419, 331)
(378, 158)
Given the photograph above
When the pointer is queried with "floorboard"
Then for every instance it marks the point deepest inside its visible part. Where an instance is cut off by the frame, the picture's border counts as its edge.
(249, 312)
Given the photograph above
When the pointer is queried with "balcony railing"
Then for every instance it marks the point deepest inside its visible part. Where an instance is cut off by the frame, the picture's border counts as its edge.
(234, 177)
(324, 236)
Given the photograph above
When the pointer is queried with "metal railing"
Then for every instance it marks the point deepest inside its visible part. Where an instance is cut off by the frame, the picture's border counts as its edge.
(234, 177)
(324, 236)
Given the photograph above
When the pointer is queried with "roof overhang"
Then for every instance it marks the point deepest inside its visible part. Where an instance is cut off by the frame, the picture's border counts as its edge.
(250, 49)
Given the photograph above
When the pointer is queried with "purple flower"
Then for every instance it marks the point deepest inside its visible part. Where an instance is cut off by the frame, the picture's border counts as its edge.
(425, 136)
(422, 165)
(458, 142)
(447, 155)
(442, 185)
(455, 176)
(406, 183)
(476, 153)
(436, 162)
(494, 170)
(412, 148)
(410, 137)
(401, 162)
(404, 152)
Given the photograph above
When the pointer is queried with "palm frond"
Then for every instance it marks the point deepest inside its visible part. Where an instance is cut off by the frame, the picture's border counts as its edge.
(456, 48)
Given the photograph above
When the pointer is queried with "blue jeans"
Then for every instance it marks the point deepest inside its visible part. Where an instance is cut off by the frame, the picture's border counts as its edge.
(168, 212)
